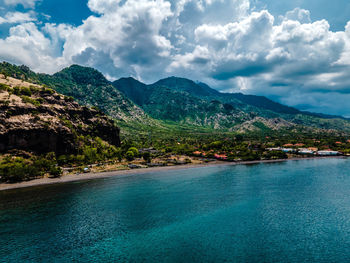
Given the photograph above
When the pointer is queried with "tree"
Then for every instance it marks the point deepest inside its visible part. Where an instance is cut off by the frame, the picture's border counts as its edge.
(134, 150)
(55, 171)
(239, 137)
(146, 156)
(129, 155)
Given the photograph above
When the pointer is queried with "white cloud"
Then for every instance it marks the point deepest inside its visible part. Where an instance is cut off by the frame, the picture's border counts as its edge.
(17, 17)
(103, 6)
(200, 55)
(298, 14)
(128, 37)
(27, 45)
(255, 46)
(235, 47)
(204, 5)
(221, 42)
(258, 55)
(25, 3)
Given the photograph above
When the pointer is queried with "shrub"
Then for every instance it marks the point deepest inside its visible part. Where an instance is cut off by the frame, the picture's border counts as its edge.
(3, 87)
(5, 102)
(68, 98)
(55, 171)
(90, 154)
(40, 100)
(34, 89)
(80, 159)
(62, 160)
(134, 150)
(22, 91)
(67, 123)
(114, 152)
(146, 156)
(47, 91)
(26, 99)
(129, 155)
(16, 169)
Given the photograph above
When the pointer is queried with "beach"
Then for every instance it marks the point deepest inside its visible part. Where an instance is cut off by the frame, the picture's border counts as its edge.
(91, 176)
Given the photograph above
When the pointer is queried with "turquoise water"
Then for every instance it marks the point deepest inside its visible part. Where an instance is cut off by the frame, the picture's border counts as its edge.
(295, 211)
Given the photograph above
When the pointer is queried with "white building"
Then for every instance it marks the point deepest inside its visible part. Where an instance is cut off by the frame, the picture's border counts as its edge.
(305, 151)
(328, 153)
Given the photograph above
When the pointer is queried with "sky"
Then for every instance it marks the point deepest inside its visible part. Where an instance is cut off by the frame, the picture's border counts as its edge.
(296, 52)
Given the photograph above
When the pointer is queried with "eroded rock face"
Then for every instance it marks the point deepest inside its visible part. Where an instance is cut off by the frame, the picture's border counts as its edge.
(38, 140)
(48, 122)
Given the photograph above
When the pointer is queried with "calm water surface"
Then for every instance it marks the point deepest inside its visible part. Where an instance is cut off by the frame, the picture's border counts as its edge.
(295, 211)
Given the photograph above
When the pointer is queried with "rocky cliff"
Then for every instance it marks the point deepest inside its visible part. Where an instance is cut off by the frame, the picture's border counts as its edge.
(38, 119)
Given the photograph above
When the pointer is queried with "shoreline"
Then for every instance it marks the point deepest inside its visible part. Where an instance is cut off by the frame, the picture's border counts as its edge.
(100, 175)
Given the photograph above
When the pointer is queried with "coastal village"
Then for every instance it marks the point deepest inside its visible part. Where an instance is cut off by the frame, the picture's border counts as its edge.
(158, 158)
(289, 150)
(306, 151)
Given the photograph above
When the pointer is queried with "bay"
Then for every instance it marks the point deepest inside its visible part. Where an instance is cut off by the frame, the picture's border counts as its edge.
(294, 211)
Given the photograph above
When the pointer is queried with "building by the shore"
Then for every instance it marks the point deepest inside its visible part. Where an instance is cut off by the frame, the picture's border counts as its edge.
(328, 153)
(305, 151)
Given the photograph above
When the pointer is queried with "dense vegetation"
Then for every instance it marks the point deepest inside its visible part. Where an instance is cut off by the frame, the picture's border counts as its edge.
(186, 102)
(172, 117)
(15, 169)
(137, 106)
(40, 127)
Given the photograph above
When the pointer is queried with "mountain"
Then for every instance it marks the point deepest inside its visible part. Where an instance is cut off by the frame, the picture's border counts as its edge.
(37, 119)
(90, 87)
(178, 100)
(177, 104)
(187, 102)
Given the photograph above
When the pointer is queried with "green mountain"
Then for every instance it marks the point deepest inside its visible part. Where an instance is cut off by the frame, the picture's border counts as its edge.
(187, 102)
(88, 87)
(174, 104)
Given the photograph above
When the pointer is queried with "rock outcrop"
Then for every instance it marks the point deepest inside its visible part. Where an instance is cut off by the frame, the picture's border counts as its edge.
(37, 119)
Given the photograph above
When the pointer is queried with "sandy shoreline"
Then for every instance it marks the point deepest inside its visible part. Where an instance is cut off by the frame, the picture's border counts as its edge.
(91, 176)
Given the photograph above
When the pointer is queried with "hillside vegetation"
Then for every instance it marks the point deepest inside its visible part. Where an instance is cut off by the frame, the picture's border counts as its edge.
(174, 121)
(186, 102)
(178, 104)
(40, 126)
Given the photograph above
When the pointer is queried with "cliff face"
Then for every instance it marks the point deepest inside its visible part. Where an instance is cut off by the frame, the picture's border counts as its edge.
(38, 119)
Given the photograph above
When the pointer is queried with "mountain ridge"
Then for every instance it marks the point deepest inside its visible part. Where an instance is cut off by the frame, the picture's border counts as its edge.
(264, 102)
(245, 107)
(177, 100)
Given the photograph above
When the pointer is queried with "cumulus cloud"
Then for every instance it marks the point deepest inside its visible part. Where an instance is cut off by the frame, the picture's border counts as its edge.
(236, 49)
(129, 36)
(261, 56)
(103, 6)
(17, 17)
(255, 45)
(298, 14)
(28, 45)
(24, 3)
(223, 42)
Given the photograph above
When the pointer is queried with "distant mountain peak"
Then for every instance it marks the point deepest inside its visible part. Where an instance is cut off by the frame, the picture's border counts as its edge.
(181, 100)
(187, 85)
(130, 80)
(173, 79)
(83, 75)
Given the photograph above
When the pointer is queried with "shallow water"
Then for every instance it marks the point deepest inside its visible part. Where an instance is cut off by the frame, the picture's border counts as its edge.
(295, 211)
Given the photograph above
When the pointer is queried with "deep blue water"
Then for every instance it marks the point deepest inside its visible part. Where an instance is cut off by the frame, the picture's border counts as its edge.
(295, 211)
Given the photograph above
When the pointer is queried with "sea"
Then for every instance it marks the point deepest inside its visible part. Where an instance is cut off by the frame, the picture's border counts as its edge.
(293, 211)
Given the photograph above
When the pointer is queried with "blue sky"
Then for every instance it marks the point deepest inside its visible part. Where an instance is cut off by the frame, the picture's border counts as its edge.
(337, 12)
(295, 52)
